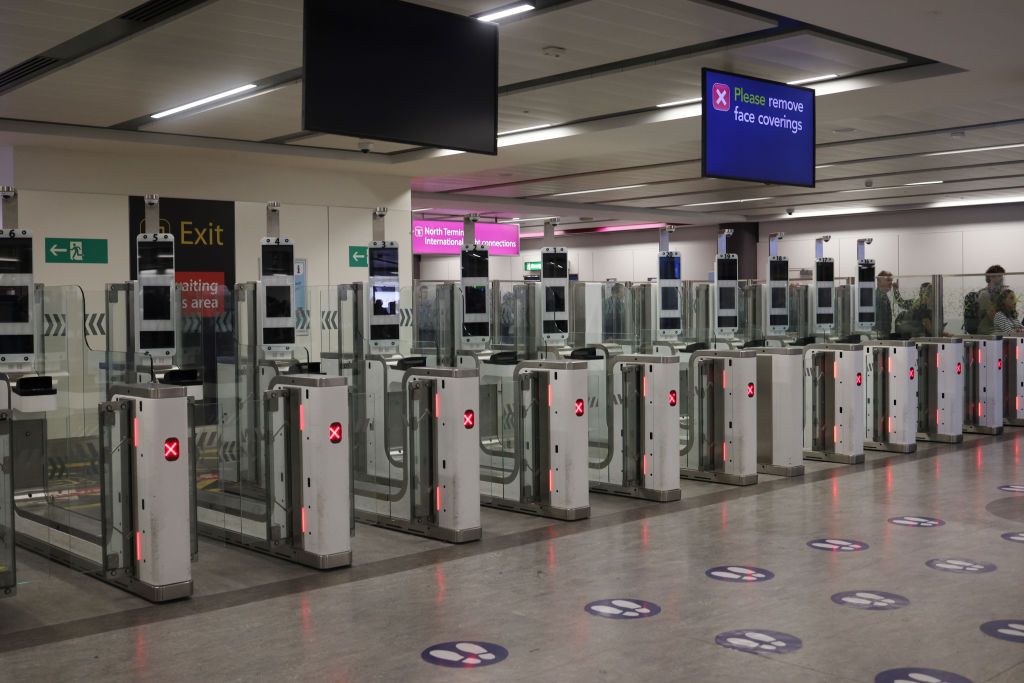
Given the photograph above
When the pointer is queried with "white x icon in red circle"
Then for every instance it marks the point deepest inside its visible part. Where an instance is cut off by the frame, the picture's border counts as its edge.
(721, 97)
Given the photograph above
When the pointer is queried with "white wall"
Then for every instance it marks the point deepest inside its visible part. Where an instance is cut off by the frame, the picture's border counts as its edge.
(77, 193)
(624, 256)
(926, 242)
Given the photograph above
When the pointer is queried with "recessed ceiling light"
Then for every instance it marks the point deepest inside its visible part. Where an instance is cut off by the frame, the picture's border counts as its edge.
(600, 189)
(976, 202)
(924, 182)
(728, 201)
(813, 79)
(973, 149)
(680, 103)
(523, 130)
(507, 12)
(206, 100)
(833, 212)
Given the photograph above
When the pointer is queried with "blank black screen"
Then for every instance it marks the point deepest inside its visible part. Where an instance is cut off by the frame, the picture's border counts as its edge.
(16, 255)
(391, 70)
(778, 297)
(555, 265)
(778, 271)
(279, 302)
(17, 343)
(474, 264)
(278, 335)
(865, 273)
(156, 258)
(476, 300)
(728, 269)
(867, 297)
(824, 298)
(726, 297)
(13, 304)
(383, 262)
(277, 259)
(671, 323)
(554, 299)
(156, 303)
(156, 340)
(669, 299)
(668, 267)
(824, 271)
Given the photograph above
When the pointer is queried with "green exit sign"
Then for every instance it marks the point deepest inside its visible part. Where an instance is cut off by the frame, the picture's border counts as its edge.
(75, 250)
(532, 266)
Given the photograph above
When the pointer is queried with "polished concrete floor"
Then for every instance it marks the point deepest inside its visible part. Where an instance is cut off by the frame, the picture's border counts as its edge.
(528, 588)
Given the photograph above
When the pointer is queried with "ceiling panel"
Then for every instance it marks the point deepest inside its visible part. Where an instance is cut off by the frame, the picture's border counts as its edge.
(602, 31)
(213, 49)
(782, 59)
(261, 117)
(29, 27)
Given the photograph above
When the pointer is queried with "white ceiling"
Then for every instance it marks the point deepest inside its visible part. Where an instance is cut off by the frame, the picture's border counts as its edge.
(870, 128)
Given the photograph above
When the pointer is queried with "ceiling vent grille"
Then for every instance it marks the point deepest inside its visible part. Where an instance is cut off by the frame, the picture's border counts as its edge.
(155, 10)
(26, 70)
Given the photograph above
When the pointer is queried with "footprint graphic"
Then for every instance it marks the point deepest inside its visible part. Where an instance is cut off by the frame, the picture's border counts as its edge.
(739, 574)
(1012, 488)
(464, 654)
(1015, 536)
(759, 641)
(622, 608)
(925, 522)
(919, 675)
(870, 600)
(838, 544)
(961, 566)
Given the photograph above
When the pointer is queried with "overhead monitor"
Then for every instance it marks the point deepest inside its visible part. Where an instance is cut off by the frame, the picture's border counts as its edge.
(757, 130)
(402, 72)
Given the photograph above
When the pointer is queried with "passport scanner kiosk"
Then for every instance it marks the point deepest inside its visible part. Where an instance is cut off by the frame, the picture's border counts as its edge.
(131, 527)
(719, 441)
(834, 392)
(415, 450)
(891, 369)
(289, 492)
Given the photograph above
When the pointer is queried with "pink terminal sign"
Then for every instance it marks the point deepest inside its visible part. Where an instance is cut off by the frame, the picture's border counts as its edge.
(445, 237)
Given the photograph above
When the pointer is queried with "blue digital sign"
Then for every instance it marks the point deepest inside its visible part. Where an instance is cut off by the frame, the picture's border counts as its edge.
(757, 130)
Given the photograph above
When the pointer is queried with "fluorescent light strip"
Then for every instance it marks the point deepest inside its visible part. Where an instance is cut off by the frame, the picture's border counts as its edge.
(205, 100)
(973, 149)
(825, 166)
(600, 189)
(925, 182)
(680, 103)
(525, 130)
(728, 201)
(422, 210)
(527, 220)
(976, 202)
(814, 79)
(833, 212)
(507, 12)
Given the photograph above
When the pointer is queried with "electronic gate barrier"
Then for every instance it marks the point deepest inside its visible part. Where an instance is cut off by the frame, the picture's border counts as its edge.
(983, 384)
(834, 403)
(891, 393)
(780, 390)
(722, 418)
(940, 389)
(1013, 381)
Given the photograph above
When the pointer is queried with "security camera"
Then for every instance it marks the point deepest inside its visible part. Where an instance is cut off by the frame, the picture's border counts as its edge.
(380, 212)
(789, 211)
(869, 183)
(365, 146)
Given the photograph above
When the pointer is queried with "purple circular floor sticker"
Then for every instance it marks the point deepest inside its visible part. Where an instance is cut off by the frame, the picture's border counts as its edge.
(961, 566)
(739, 574)
(465, 654)
(1012, 488)
(839, 545)
(925, 522)
(1015, 536)
(919, 674)
(870, 600)
(1005, 629)
(622, 608)
(759, 640)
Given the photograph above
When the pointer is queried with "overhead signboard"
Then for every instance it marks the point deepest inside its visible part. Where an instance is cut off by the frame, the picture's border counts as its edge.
(445, 237)
(757, 130)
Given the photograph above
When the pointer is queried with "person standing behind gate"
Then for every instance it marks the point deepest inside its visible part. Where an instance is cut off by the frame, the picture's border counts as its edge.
(887, 301)
(987, 302)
